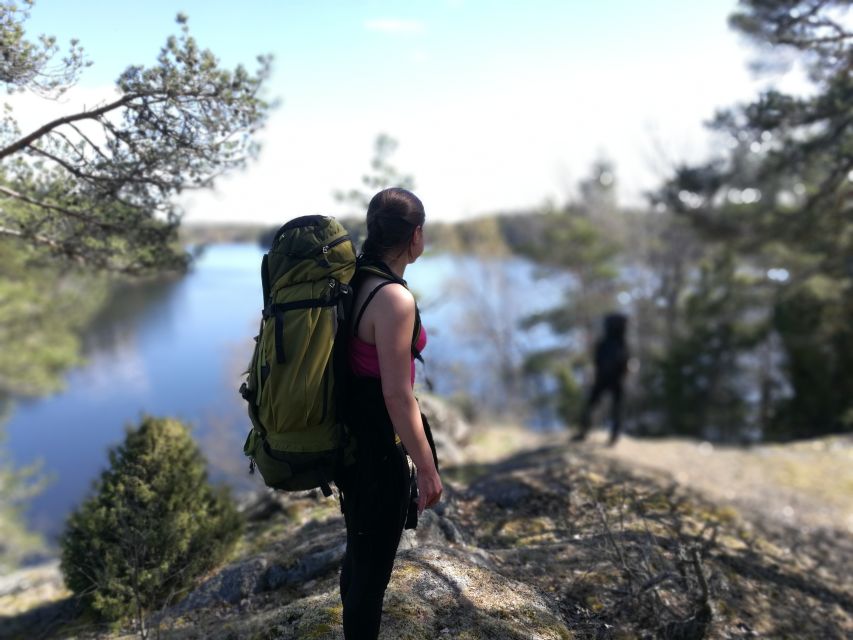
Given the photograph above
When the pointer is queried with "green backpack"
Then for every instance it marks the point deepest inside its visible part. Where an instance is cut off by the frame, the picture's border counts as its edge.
(297, 439)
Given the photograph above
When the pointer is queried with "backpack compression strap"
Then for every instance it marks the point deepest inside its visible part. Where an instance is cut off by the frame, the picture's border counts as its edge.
(278, 310)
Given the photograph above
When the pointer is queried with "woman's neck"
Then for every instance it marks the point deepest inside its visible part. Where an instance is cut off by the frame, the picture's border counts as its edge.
(397, 265)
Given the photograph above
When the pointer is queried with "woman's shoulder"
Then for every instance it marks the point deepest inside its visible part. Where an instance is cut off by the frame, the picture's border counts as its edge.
(393, 296)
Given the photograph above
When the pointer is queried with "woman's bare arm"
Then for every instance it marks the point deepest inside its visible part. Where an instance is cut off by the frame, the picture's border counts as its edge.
(394, 320)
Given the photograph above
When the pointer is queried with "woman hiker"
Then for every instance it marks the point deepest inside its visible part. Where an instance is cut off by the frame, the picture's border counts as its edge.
(382, 413)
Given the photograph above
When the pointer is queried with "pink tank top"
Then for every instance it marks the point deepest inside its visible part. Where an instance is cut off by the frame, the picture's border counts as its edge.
(364, 360)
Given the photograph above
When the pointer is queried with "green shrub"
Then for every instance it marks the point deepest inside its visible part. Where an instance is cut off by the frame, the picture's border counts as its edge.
(153, 524)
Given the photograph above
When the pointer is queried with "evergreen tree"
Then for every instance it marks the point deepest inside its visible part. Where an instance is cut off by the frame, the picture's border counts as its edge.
(699, 378)
(781, 202)
(152, 525)
(42, 310)
(17, 485)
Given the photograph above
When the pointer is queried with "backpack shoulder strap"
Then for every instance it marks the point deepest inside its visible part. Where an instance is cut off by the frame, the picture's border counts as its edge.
(416, 333)
(381, 270)
(367, 302)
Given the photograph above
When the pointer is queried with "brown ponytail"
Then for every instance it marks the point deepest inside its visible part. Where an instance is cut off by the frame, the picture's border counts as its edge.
(392, 217)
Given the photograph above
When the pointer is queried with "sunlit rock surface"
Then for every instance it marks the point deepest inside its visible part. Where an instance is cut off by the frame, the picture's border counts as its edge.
(536, 539)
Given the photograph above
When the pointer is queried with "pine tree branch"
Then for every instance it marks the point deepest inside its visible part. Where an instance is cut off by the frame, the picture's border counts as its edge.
(15, 233)
(86, 138)
(63, 210)
(53, 124)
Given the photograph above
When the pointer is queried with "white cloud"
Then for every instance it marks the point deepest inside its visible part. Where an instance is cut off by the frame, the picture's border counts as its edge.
(393, 25)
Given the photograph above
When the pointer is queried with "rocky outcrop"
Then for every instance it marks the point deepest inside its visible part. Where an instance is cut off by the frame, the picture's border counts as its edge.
(551, 542)
(449, 429)
(34, 602)
(454, 591)
(446, 418)
(43, 582)
(230, 585)
(438, 592)
(33, 598)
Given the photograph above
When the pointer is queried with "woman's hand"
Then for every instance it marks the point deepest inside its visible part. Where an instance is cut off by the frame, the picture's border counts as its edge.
(429, 488)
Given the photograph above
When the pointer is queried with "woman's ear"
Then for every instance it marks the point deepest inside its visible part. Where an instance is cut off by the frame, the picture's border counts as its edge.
(416, 244)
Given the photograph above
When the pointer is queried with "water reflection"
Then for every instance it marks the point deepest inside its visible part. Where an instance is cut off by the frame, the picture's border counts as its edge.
(159, 347)
(129, 306)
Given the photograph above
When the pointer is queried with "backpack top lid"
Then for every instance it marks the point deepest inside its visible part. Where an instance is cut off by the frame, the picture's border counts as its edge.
(310, 248)
(298, 223)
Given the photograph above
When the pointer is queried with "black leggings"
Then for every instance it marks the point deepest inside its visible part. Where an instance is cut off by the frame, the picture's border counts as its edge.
(375, 510)
(375, 494)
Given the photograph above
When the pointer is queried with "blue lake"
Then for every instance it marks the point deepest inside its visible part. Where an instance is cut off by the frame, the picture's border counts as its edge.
(177, 348)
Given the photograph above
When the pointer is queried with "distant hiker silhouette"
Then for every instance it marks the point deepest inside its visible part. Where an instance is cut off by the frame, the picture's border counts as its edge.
(611, 364)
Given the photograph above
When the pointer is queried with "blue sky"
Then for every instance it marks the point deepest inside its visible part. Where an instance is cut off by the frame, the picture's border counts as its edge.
(496, 105)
